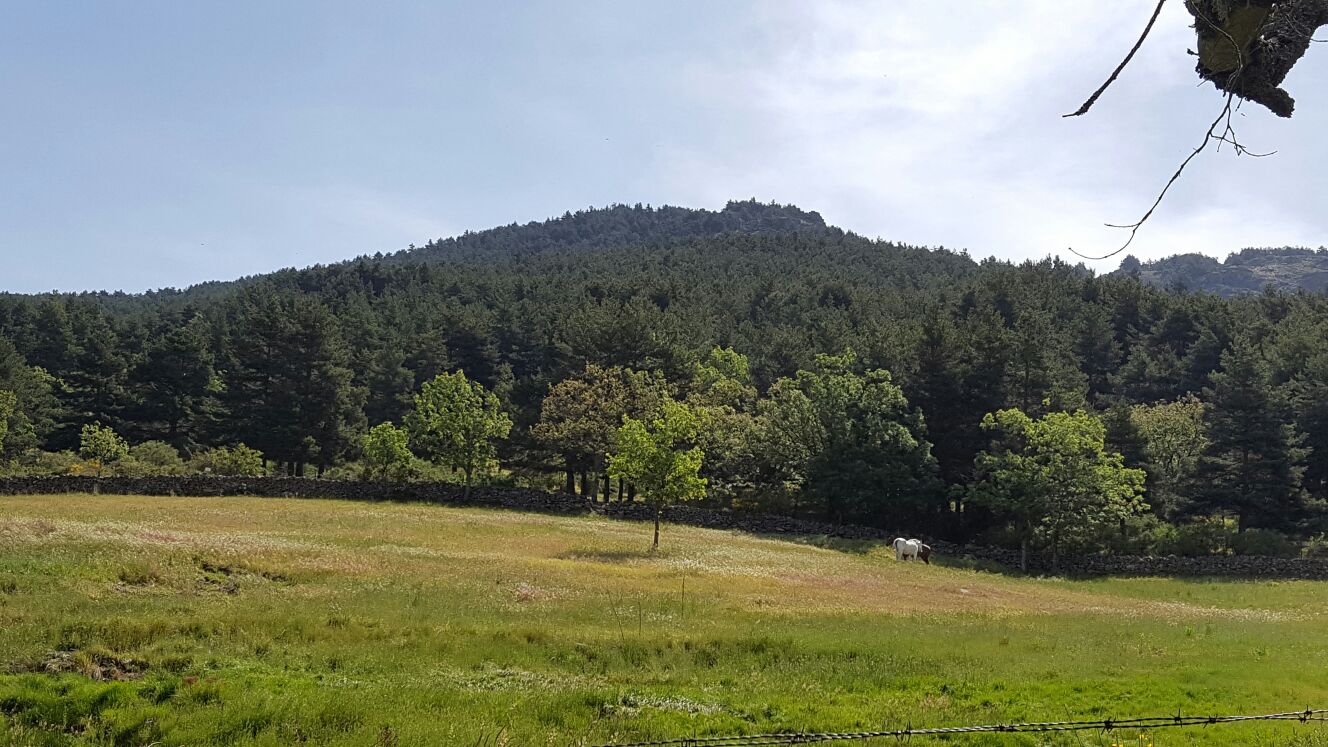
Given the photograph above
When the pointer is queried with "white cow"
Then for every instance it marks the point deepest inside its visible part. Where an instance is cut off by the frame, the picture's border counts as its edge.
(911, 549)
(906, 549)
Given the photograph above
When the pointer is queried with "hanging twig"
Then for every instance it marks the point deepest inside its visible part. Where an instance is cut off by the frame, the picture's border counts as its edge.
(1228, 135)
(1093, 99)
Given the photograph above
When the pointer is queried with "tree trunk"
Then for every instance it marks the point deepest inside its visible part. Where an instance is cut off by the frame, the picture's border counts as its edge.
(620, 490)
(570, 485)
(586, 492)
(1023, 554)
(631, 492)
(608, 487)
(465, 492)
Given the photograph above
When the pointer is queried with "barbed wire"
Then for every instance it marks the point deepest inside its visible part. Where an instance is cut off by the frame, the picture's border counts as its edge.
(1146, 722)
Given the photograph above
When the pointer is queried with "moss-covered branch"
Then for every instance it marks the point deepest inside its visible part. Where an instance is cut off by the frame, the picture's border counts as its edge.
(1247, 47)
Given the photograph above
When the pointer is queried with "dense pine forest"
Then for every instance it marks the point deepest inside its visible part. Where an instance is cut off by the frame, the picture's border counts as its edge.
(752, 358)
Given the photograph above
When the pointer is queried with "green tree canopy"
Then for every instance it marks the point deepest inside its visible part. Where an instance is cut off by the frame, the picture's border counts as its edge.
(456, 421)
(851, 440)
(101, 445)
(288, 384)
(1174, 441)
(386, 453)
(1252, 465)
(659, 456)
(35, 409)
(7, 403)
(723, 378)
(581, 415)
(1054, 480)
(1309, 391)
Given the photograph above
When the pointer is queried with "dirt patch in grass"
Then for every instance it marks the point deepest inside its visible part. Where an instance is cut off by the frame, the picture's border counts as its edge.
(95, 664)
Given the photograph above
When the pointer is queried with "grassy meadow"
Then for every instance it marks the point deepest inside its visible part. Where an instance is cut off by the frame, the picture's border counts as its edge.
(188, 621)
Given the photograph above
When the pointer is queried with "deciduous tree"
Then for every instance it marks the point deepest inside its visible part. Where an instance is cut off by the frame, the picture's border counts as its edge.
(1174, 441)
(386, 453)
(659, 456)
(1054, 480)
(456, 421)
(102, 446)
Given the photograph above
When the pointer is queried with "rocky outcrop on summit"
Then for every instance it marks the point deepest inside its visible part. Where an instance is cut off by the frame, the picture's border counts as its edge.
(1247, 271)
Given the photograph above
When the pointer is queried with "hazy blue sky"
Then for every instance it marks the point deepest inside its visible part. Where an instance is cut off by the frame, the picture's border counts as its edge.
(153, 144)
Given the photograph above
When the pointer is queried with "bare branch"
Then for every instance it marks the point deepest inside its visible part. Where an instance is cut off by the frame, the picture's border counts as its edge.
(1093, 99)
(1228, 133)
(1083, 109)
(1209, 136)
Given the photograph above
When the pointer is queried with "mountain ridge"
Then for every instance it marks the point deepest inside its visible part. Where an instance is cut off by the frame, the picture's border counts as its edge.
(613, 226)
(1251, 270)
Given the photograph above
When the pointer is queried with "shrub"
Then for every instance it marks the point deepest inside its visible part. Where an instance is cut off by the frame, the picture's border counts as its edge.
(1211, 536)
(387, 453)
(38, 463)
(101, 446)
(151, 459)
(1264, 542)
(1316, 546)
(1143, 534)
(230, 461)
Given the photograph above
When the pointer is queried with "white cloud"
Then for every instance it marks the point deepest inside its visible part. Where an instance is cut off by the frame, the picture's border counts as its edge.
(939, 123)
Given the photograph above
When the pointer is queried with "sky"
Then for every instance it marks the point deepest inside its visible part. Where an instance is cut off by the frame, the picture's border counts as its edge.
(160, 144)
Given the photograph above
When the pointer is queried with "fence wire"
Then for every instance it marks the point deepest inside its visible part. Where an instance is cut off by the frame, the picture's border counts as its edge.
(1147, 722)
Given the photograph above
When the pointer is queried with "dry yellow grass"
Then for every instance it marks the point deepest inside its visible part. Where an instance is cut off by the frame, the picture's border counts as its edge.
(452, 624)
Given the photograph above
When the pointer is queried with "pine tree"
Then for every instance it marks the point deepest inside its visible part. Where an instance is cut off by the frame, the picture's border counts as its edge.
(1252, 466)
(1310, 400)
(172, 384)
(288, 387)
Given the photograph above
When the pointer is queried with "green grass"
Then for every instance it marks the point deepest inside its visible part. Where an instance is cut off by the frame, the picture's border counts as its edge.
(130, 620)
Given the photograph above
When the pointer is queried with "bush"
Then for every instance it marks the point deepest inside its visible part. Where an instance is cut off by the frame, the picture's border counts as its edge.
(1144, 533)
(151, 459)
(230, 461)
(1264, 542)
(387, 453)
(1211, 536)
(346, 471)
(1316, 546)
(37, 463)
(101, 446)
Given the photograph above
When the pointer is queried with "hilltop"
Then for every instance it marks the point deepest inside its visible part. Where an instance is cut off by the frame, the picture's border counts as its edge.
(1247, 271)
(615, 226)
(582, 231)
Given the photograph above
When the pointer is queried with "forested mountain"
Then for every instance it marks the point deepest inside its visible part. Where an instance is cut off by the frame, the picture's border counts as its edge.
(1247, 271)
(837, 376)
(584, 230)
(615, 226)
